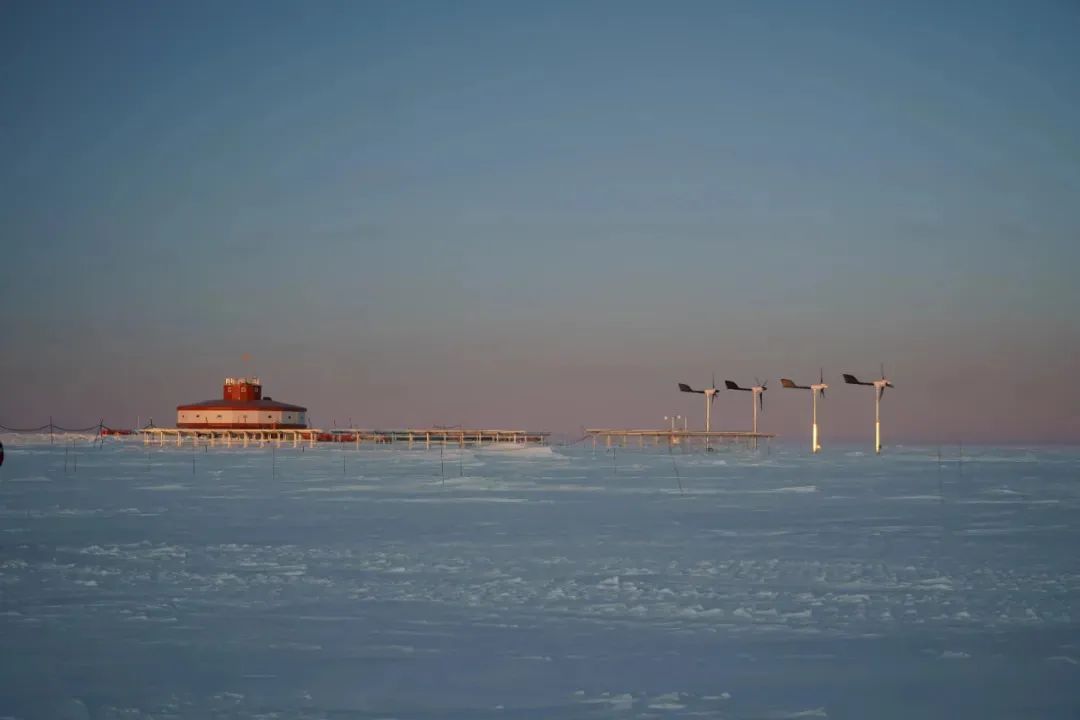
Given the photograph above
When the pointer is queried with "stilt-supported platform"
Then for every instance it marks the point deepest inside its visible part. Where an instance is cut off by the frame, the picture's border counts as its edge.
(689, 438)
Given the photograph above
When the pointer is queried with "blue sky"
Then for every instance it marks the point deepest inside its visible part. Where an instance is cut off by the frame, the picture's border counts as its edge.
(543, 214)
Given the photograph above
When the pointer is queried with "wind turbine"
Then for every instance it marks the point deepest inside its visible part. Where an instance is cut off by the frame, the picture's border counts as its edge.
(757, 397)
(710, 396)
(815, 390)
(880, 386)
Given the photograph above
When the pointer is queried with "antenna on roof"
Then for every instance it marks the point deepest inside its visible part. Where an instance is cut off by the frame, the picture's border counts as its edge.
(710, 396)
(815, 390)
(879, 386)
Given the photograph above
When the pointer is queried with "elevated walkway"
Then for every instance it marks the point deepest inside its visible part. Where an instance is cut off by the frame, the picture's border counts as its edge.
(622, 437)
(410, 437)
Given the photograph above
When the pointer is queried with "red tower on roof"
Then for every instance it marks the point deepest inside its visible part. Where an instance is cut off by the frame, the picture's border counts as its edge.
(242, 407)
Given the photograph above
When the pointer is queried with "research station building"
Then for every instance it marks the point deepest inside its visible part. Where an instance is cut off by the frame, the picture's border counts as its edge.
(242, 407)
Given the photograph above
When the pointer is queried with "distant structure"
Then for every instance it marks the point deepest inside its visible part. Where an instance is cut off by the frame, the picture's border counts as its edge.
(816, 389)
(242, 407)
(879, 387)
(757, 398)
(710, 396)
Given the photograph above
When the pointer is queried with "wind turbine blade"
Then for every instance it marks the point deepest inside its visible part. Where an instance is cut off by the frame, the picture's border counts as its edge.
(761, 400)
(881, 393)
(821, 375)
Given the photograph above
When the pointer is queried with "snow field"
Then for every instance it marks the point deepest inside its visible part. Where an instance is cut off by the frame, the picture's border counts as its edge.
(332, 582)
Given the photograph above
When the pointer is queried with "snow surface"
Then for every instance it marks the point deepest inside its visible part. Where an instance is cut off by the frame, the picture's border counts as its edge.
(331, 582)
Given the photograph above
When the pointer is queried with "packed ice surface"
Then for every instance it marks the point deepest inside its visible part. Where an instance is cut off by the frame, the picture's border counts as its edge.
(331, 582)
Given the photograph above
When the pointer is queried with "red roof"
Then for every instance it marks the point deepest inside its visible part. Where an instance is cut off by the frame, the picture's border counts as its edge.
(264, 404)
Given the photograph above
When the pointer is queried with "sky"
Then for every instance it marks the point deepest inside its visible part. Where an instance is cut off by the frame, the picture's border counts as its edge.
(544, 215)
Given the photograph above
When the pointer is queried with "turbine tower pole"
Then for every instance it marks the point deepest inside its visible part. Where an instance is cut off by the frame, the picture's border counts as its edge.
(708, 419)
(814, 447)
(877, 421)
